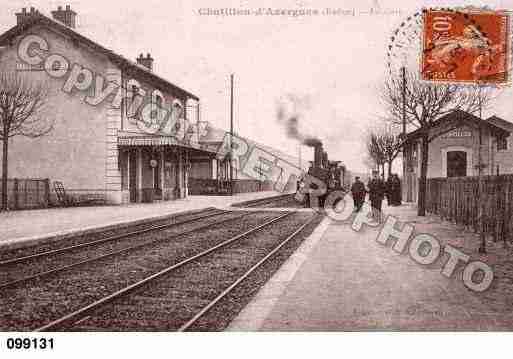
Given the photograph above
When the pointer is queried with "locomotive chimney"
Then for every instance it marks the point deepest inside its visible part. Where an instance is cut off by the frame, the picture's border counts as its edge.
(318, 156)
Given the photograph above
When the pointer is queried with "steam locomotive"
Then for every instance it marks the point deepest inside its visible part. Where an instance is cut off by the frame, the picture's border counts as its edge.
(331, 173)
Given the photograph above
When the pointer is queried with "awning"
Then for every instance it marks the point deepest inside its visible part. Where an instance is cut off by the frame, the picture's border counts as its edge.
(165, 141)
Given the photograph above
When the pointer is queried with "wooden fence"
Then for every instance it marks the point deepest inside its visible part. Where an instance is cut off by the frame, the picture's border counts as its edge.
(457, 200)
(25, 193)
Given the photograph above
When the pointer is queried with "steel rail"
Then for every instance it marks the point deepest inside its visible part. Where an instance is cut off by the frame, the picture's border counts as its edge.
(77, 315)
(211, 304)
(110, 254)
(110, 238)
(266, 200)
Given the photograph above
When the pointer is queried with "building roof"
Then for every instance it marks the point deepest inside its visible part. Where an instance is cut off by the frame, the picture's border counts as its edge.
(496, 124)
(499, 122)
(216, 135)
(160, 140)
(122, 62)
(209, 143)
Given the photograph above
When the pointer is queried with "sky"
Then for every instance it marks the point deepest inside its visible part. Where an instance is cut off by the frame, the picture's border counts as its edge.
(336, 61)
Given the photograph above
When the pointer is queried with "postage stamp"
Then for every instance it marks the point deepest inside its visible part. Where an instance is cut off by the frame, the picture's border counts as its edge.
(465, 46)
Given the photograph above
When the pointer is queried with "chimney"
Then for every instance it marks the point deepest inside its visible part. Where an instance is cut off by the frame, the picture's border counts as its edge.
(67, 17)
(318, 156)
(146, 61)
(325, 162)
(25, 16)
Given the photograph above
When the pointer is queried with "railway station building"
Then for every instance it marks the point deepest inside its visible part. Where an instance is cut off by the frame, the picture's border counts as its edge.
(454, 149)
(98, 143)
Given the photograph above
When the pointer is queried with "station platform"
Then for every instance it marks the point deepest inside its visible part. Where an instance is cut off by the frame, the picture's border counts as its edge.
(19, 228)
(343, 280)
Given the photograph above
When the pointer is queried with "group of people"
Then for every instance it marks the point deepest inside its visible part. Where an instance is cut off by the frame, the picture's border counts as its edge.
(377, 189)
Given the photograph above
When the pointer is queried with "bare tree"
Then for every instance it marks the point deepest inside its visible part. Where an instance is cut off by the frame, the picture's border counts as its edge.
(21, 101)
(425, 103)
(375, 150)
(386, 143)
(391, 142)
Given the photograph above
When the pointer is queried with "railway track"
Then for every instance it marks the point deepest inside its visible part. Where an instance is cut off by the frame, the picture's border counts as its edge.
(191, 322)
(110, 253)
(259, 243)
(210, 212)
(102, 235)
(25, 306)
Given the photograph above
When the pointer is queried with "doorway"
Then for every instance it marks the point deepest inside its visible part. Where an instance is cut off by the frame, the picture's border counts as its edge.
(456, 164)
(157, 183)
(132, 174)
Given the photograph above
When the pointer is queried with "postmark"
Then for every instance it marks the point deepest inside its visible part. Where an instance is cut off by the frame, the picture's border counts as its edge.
(465, 46)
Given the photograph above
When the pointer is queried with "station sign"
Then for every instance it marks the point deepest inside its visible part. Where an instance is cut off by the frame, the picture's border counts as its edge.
(458, 133)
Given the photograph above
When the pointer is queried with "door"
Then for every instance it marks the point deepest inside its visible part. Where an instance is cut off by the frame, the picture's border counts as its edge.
(157, 187)
(456, 164)
(132, 174)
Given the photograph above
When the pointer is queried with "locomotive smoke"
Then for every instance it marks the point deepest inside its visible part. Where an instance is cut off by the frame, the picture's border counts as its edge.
(312, 142)
(291, 124)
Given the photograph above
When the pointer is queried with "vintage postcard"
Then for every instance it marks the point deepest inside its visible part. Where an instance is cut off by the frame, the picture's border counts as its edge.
(238, 167)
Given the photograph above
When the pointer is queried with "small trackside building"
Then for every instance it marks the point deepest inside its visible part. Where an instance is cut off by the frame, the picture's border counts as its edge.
(98, 143)
(454, 149)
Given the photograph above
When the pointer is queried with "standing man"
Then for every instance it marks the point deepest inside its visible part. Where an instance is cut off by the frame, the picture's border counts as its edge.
(358, 192)
(377, 191)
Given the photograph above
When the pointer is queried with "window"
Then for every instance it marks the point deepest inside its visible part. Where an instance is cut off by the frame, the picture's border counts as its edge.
(414, 152)
(131, 106)
(502, 144)
(135, 90)
(412, 160)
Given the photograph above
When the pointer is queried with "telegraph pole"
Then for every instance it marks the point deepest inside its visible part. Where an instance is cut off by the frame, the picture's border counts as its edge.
(198, 120)
(405, 155)
(299, 156)
(480, 196)
(231, 134)
(403, 72)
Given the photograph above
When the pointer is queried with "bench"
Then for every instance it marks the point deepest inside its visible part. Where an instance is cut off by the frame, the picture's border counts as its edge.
(83, 199)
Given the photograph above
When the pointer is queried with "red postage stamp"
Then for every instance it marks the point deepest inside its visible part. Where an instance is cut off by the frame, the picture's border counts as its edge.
(465, 46)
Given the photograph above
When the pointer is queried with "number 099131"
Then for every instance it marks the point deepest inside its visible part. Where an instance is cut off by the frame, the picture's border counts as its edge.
(29, 343)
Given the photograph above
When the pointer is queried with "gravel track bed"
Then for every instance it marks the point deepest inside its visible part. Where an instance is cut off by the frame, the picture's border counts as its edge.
(84, 238)
(262, 201)
(29, 307)
(284, 201)
(221, 315)
(288, 202)
(168, 302)
(14, 271)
